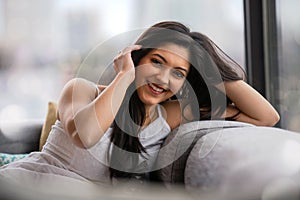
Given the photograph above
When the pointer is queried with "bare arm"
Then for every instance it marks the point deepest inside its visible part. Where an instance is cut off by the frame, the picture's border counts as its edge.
(248, 104)
(86, 116)
(253, 107)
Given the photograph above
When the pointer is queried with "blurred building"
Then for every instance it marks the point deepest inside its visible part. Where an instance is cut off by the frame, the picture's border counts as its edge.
(45, 43)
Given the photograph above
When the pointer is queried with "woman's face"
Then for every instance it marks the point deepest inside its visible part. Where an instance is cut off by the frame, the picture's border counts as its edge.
(161, 73)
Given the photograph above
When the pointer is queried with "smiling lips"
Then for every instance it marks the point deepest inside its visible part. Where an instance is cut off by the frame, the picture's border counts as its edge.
(155, 89)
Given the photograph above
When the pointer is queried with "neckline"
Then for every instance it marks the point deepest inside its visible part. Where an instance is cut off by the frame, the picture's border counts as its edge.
(159, 118)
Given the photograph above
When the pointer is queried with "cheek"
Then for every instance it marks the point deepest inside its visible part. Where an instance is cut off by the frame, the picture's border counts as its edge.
(175, 86)
(140, 73)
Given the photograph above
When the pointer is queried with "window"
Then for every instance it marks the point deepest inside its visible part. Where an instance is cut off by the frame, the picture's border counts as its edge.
(42, 43)
(273, 49)
(288, 17)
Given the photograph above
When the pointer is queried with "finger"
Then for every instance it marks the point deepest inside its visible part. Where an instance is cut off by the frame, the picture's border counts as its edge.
(131, 48)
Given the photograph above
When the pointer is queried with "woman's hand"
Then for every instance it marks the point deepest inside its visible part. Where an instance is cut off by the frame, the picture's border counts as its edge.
(123, 63)
(253, 107)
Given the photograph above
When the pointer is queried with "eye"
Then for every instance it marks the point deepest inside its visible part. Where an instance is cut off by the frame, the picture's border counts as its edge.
(156, 62)
(178, 74)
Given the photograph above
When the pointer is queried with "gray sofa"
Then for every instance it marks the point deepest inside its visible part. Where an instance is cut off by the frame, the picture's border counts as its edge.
(209, 159)
(231, 160)
(20, 137)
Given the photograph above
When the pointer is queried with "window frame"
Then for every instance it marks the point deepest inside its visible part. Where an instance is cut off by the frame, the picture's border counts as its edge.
(261, 43)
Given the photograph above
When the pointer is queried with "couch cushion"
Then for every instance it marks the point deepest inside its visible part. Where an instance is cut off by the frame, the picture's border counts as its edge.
(20, 136)
(244, 161)
(49, 121)
(171, 161)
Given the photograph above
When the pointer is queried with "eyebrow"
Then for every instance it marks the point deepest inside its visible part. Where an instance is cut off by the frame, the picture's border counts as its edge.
(161, 57)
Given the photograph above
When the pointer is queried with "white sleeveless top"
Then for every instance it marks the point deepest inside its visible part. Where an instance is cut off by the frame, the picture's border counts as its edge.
(61, 158)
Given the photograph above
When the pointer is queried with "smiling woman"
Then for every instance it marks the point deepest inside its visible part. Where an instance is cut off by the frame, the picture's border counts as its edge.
(161, 73)
(170, 74)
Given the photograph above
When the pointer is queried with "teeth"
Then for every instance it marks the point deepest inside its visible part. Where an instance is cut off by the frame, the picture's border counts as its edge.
(155, 88)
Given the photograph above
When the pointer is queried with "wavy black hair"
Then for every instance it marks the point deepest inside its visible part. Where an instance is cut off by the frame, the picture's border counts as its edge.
(209, 66)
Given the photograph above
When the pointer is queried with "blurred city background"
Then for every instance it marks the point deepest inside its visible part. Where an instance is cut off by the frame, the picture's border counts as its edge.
(43, 44)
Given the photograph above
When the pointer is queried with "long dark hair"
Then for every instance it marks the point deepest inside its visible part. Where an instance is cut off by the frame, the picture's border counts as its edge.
(209, 66)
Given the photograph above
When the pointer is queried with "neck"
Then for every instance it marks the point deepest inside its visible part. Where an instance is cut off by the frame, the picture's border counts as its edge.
(150, 114)
(150, 110)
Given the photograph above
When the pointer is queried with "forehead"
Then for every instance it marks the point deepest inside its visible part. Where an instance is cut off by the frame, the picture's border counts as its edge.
(175, 50)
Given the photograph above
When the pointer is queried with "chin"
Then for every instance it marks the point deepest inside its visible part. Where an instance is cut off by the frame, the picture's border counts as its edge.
(150, 103)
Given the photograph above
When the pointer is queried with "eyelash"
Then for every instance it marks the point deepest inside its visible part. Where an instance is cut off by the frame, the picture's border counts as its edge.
(155, 61)
(176, 73)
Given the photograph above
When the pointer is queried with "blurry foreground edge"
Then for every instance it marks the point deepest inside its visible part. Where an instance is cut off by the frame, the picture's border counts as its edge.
(126, 190)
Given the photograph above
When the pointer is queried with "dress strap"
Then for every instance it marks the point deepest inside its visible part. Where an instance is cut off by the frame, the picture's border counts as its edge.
(97, 88)
(159, 111)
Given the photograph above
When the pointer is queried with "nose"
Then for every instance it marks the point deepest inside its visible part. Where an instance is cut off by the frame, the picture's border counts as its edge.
(164, 76)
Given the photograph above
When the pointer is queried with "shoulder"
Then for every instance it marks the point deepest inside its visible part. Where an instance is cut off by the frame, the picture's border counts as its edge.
(82, 87)
(177, 112)
(77, 91)
(172, 113)
(79, 82)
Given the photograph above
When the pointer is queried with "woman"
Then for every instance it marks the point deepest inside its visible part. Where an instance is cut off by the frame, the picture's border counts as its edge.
(169, 76)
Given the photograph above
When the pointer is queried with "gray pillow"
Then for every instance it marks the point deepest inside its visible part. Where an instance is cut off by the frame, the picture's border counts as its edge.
(244, 162)
(20, 137)
(171, 160)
